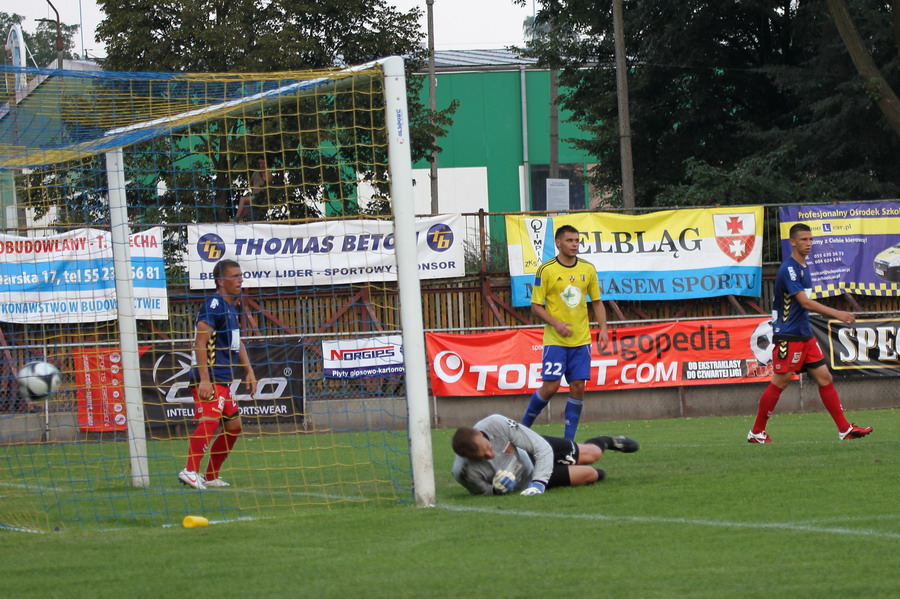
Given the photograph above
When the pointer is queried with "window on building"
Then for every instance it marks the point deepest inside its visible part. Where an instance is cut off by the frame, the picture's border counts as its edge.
(574, 172)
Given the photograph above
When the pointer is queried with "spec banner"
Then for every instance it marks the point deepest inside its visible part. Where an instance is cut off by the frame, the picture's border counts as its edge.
(856, 247)
(70, 277)
(363, 358)
(702, 352)
(673, 254)
(868, 346)
(165, 381)
(323, 253)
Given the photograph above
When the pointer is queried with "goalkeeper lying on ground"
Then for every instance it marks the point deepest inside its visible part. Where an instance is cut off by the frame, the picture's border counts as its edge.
(498, 456)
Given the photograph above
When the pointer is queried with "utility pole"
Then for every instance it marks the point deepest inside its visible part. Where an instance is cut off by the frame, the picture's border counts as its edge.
(624, 117)
(432, 106)
(59, 40)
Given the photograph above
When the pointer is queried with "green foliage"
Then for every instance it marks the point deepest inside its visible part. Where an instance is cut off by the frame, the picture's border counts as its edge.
(697, 512)
(261, 36)
(725, 93)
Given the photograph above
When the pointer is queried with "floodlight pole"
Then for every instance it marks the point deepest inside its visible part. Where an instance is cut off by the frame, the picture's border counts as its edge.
(627, 163)
(432, 106)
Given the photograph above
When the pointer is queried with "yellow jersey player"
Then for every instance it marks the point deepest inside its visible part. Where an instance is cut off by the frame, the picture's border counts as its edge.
(563, 286)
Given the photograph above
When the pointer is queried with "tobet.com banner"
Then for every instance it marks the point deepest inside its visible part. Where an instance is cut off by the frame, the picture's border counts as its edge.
(165, 381)
(666, 255)
(702, 352)
(70, 277)
(866, 347)
(323, 253)
(856, 247)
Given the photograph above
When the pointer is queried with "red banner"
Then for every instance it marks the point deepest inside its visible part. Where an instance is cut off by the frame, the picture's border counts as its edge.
(101, 391)
(696, 352)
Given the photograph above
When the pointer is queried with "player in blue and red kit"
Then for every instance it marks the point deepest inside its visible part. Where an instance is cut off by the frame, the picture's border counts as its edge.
(795, 347)
(218, 351)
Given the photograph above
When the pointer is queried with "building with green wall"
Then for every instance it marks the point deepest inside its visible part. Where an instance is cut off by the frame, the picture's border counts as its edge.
(485, 158)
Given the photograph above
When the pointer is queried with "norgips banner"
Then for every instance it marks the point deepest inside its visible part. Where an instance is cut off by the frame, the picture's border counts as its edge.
(165, 380)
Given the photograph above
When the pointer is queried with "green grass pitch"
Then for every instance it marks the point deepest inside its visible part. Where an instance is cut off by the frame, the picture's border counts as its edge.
(697, 512)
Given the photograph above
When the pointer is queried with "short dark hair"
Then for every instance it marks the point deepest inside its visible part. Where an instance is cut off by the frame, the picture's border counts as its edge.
(220, 267)
(565, 229)
(798, 228)
(463, 442)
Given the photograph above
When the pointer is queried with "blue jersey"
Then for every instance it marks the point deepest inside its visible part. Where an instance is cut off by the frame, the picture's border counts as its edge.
(223, 347)
(790, 319)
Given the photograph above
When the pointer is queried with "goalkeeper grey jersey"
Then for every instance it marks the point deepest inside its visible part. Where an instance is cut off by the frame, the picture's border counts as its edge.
(512, 442)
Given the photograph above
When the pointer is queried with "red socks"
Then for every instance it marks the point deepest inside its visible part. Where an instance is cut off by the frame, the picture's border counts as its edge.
(199, 442)
(767, 404)
(220, 450)
(832, 403)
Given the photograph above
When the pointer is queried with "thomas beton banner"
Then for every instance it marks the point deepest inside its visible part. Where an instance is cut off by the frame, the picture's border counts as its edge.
(697, 352)
(323, 253)
(673, 254)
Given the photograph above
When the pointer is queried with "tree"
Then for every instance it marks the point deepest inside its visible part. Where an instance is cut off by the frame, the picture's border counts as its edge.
(722, 90)
(264, 36)
(879, 89)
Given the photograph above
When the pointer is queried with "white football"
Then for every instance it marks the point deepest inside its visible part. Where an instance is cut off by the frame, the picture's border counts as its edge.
(38, 380)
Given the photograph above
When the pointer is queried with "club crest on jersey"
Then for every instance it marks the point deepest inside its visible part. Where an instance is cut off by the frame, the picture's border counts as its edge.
(735, 234)
(571, 296)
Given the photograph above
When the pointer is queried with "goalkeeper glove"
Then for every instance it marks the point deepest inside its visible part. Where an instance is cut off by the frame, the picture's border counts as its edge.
(534, 488)
(504, 482)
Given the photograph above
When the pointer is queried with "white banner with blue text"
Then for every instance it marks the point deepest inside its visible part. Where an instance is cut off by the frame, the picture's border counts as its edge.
(323, 253)
(70, 277)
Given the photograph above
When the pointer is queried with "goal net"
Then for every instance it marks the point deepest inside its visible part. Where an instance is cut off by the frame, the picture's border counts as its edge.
(120, 193)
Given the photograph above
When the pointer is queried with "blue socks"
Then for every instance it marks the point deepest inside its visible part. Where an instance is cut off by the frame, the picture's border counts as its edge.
(535, 406)
(573, 415)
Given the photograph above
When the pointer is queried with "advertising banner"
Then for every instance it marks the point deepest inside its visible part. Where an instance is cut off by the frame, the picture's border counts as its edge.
(100, 398)
(673, 254)
(70, 277)
(700, 352)
(363, 358)
(856, 247)
(323, 253)
(866, 347)
(165, 380)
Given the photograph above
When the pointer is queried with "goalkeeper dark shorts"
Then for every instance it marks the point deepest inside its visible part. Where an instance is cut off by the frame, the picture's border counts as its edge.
(565, 454)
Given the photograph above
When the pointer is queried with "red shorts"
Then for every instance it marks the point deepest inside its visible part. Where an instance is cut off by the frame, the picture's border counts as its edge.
(794, 356)
(220, 406)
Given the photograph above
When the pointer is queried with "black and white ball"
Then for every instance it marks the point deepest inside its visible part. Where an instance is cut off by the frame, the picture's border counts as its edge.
(39, 379)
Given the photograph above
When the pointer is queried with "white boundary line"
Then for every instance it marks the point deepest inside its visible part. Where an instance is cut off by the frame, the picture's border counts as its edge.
(790, 526)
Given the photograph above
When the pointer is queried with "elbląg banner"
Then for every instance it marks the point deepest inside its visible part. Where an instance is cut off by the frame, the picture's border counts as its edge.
(672, 254)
